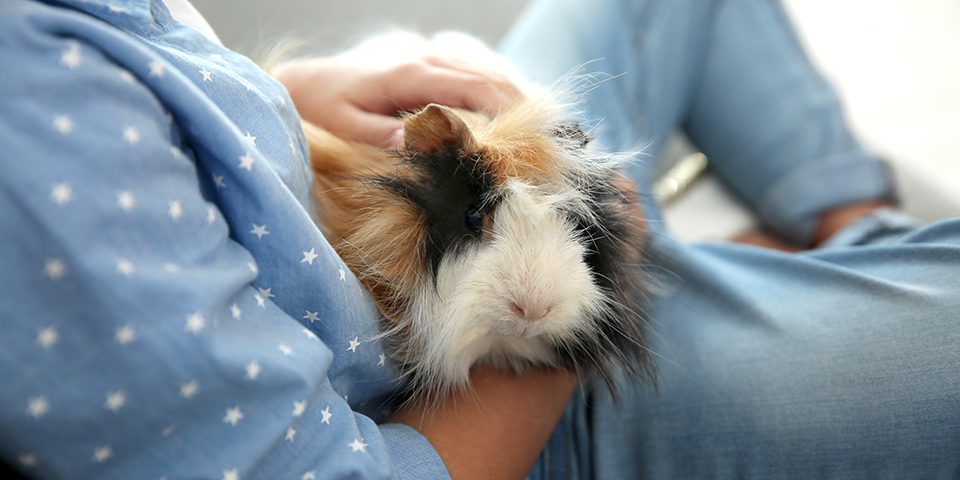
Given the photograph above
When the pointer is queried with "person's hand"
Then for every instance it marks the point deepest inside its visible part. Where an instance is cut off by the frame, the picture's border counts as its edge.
(828, 224)
(498, 427)
(358, 101)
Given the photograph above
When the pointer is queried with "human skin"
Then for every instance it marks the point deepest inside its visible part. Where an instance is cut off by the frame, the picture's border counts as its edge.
(496, 428)
(360, 102)
(828, 224)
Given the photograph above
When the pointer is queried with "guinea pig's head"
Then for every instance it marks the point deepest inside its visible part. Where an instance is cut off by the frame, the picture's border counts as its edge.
(529, 248)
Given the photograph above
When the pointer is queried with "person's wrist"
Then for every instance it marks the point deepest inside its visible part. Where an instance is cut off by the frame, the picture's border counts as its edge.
(834, 220)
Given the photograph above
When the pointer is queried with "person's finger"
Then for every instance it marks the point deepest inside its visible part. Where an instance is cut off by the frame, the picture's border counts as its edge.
(370, 128)
(417, 84)
(498, 78)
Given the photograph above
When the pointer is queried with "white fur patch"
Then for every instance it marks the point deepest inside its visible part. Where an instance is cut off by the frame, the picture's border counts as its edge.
(534, 259)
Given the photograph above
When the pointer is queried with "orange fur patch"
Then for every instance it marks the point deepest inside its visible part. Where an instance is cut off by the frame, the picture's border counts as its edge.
(378, 235)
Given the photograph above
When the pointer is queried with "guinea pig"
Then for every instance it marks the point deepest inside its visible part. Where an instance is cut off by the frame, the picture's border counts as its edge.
(504, 240)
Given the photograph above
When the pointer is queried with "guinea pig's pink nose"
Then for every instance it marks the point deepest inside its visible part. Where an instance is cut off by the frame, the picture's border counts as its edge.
(529, 312)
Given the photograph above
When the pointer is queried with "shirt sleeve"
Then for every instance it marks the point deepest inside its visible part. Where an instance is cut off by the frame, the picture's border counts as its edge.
(134, 345)
(773, 128)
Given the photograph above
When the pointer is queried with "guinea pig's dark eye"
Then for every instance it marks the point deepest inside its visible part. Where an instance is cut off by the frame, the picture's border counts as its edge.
(474, 219)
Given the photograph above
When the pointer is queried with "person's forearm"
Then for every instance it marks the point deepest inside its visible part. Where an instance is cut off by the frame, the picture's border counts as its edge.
(498, 427)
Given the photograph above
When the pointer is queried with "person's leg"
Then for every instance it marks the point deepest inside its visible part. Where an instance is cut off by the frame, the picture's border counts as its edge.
(773, 128)
(732, 74)
(839, 363)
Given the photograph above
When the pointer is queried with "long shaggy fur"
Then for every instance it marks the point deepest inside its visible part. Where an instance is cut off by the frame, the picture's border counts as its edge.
(505, 240)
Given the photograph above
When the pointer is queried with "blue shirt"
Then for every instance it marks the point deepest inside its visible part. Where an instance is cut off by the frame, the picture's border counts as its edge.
(173, 311)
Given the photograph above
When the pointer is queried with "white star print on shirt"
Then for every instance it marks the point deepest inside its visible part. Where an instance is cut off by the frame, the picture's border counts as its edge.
(231, 474)
(131, 134)
(250, 139)
(290, 434)
(63, 124)
(124, 267)
(48, 337)
(326, 415)
(62, 193)
(253, 370)
(309, 257)
(354, 344)
(125, 201)
(233, 416)
(311, 475)
(246, 161)
(285, 349)
(157, 69)
(195, 323)
(127, 76)
(211, 215)
(27, 459)
(176, 210)
(265, 293)
(383, 360)
(259, 298)
(343, 274)
(54, 268)
(357, 445)
(207, 74)
(124, 335)
(189, 389)
(218, 181)
(102, 454)
(311, 316)
(115, 400)
(259, 230)
(72, 57)
(299, 408)
(235, 311)
(38, 406)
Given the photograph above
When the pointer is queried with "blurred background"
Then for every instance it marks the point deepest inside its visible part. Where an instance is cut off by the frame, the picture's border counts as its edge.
(328, 25)
(896, 65)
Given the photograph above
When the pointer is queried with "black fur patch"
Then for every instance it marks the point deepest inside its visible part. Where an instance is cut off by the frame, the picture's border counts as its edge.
(445, 187)
(572, 131)
(612, 238)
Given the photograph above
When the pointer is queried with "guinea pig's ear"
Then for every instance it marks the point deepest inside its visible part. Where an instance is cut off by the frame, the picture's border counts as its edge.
(435, 129)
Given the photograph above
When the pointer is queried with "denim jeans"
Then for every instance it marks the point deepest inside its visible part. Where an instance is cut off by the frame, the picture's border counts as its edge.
(840, 362)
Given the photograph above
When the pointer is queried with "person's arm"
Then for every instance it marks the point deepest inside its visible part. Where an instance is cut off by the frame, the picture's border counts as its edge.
(133, 344)
(498, 427)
